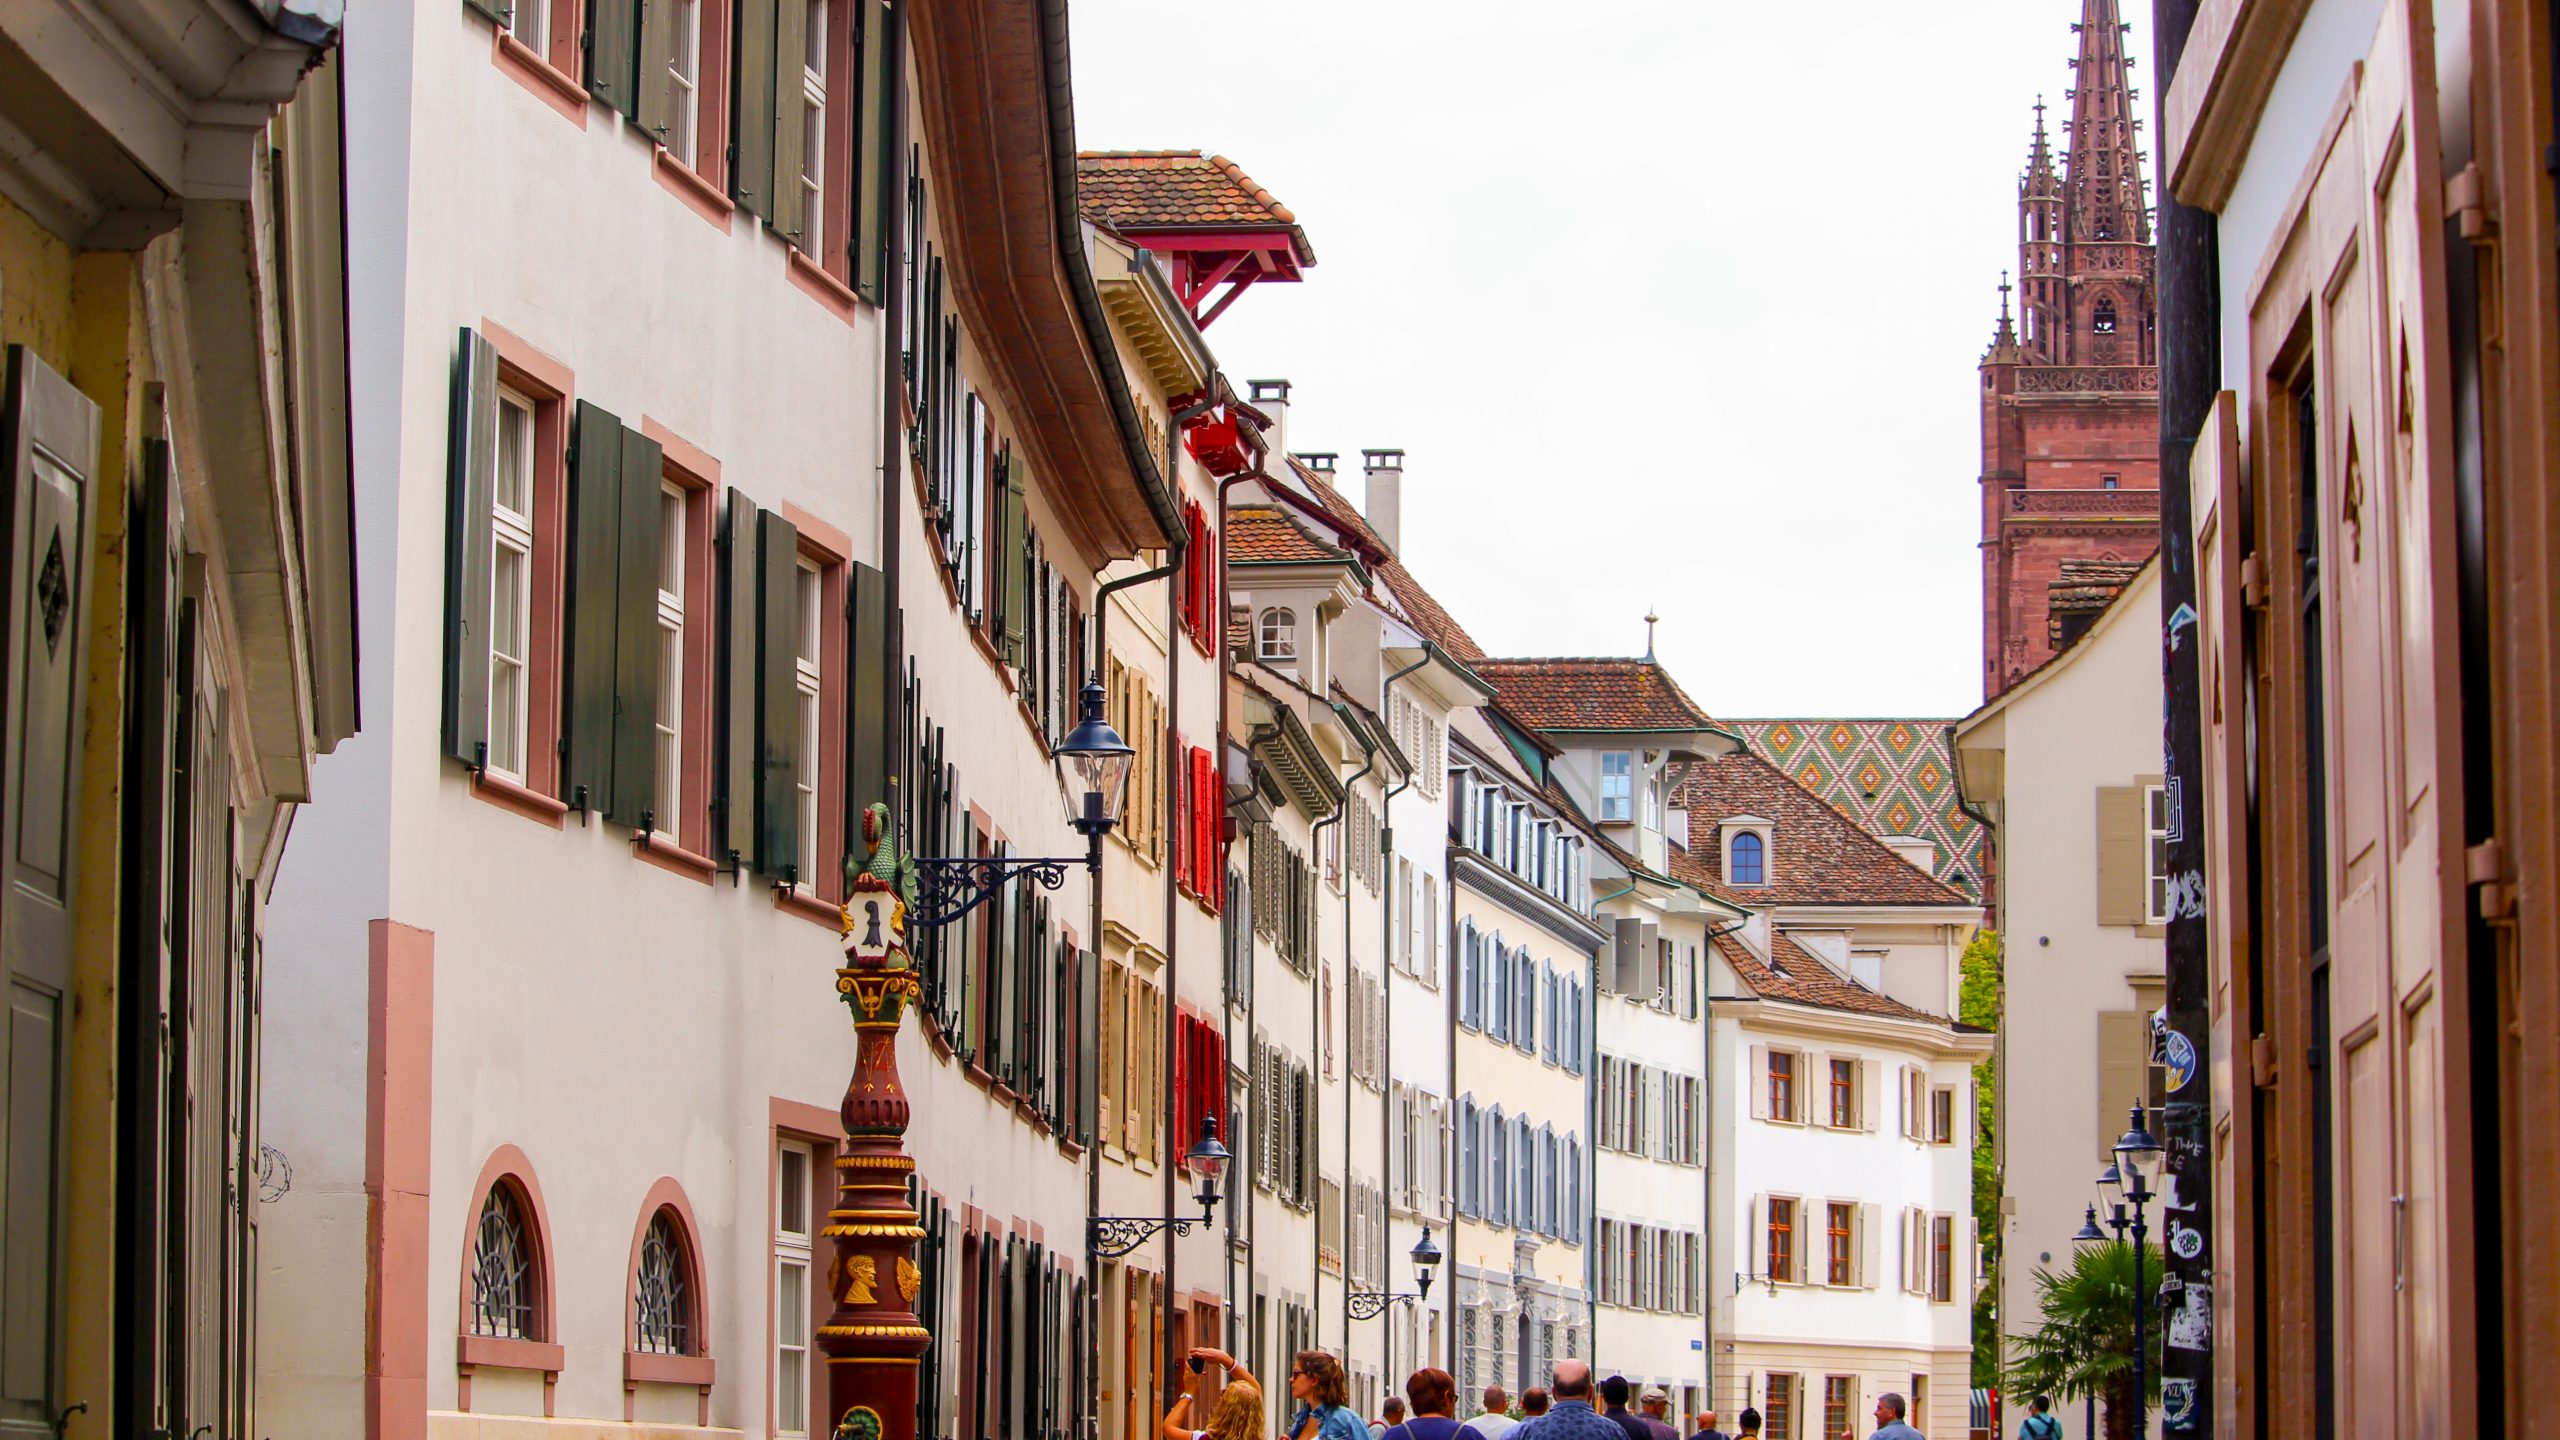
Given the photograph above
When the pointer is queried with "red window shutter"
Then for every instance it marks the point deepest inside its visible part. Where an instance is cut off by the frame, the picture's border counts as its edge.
(1205, 814)
(1179, 780)
(1181, 1087)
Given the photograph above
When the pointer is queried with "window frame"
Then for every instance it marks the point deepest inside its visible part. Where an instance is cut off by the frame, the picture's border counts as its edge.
(1276, 635)
(1617, 787)
(1942, 1107)
(515, 532)
(1773, 1231)
(551, 389)
(1844, 1084)
(1759, 859)
(1840, 1247)
(507, 1166)
(1942, 1265)
(820, 889)
(1778, 1405)
(686, 842)
(786, 1248)
(1793, 1080)
(2155, 854)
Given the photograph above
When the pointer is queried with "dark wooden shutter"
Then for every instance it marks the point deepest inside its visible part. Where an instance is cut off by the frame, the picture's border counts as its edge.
(875, 147)
(51, 514)
(595, 541)
(751, 169)
(613, 53)
(733, 838)
(471, 467)
(871, 695)
(790, 215)
(1088, 1027)
(778, 757)
(654, 104)
(1013, 556)
(505, 14)
(634, 795)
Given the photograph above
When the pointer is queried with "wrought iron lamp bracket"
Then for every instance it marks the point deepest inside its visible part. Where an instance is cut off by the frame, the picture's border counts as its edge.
(948, 887)
(1370, 1304)
(1110, 1236)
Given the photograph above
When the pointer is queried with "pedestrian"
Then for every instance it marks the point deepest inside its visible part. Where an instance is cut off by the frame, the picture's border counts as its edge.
(1323, 1394)
(1534, 1401)
(1494, 1422)
(1434, 1394)
(1707, 1428)
(1889, 1423)
(1388, 1419)
(1656, 1405)
(2040, 1424)
(1613, 1395)
(1571, 1417)
(1749, 1420)
(1238, 1412)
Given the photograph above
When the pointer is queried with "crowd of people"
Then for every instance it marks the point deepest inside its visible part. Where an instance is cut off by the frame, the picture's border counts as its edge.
(1572, 1407)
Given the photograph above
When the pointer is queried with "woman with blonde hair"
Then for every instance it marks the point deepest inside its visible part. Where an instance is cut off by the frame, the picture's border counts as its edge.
(1238, 1412)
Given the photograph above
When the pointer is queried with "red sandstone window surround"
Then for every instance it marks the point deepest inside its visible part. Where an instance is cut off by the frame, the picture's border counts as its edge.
(507, 1317)
(688, 602)
(528, 523)
(667, 1314)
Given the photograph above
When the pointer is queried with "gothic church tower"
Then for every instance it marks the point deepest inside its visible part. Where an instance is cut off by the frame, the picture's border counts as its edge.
(2071, 386)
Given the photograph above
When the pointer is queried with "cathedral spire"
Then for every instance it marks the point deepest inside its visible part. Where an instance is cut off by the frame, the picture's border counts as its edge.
(2103, 168)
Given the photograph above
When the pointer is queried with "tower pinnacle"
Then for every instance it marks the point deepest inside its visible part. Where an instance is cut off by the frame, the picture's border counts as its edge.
(2103, 169)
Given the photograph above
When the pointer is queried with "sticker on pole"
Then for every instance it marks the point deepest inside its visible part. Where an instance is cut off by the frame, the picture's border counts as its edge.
(2178, 1057)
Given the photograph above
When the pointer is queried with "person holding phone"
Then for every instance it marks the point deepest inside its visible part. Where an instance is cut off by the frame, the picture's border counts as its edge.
(1238, 1412)
(1323, 1394)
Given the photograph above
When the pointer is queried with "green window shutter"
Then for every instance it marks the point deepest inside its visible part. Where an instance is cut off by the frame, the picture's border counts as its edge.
(871, 692)
(2120, 855)
(633, 796)
(752, 114)
(790, 63)
(471, 468)
(1014, 558)
(499, 10)
(778, 757)
(1088, 1023)
(654, 102)
(613, 52)
(733, 837)
(875, 151)
(595, 547)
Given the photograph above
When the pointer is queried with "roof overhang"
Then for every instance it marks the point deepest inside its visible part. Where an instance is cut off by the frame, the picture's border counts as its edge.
(1286, 749)
(1149, 315)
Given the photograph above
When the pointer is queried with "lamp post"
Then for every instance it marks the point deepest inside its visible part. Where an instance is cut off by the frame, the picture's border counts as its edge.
(1370, 1304)
(2136, 1153)
(872, 1338)
(1114, 1235)
(2090, 1234)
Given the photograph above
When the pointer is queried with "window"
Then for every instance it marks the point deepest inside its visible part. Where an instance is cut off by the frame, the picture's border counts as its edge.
(1844, 1094)
(530, 22)
(684, 82)
(793, 1237)
(1838, 1269)
(1782, 1085)
(813, 132)
(1942, 1116)
(1942, 1257)
(664, 1291)
(511, 587)
(1746, 866)
(672, 555)
(2155, 854)
(1782, 1239)
(808, 675)
(1279, 633)
(1778, 1408)
(506, 1277)
(1835, 1405)
(1617, 786)
(2102, 320)
(2107, 482)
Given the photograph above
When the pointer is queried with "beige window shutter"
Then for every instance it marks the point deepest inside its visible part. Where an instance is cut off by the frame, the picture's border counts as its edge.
(1756, 1244)
(1870, 1101)
(2124, 1072)
(2120, 855)
(1870, 1241)
(1759, 1082)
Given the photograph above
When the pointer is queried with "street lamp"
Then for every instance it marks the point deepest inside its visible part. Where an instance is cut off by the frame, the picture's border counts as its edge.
(1114, 1235)
(1370, 1304)
(2089, 1234)
(2136, 1153)
(1093, 776)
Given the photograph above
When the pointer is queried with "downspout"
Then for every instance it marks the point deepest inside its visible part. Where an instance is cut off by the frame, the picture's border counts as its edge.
(895, 468)
(1342, 807)
(1244, 1193)
(1387, 988)
(1707, 1156)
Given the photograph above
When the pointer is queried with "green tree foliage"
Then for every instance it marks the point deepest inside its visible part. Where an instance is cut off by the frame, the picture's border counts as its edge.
(2083, 1344)
(1978, 1003)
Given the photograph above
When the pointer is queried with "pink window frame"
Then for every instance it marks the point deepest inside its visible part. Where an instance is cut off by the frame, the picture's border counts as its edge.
(694, 1368)
(820, 1129)
(552, 387)
(507, 1165)
(704, 185)
(684, 847)
(550, 70)
(831, 551)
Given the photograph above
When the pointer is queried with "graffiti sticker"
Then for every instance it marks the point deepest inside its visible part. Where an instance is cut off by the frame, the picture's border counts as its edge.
(2178, 1056)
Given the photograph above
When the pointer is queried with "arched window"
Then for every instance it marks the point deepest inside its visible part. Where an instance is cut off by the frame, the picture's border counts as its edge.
(1748, 865)
(506, 1267)
(2103, 318)
(663, 1300)
(1279, 633)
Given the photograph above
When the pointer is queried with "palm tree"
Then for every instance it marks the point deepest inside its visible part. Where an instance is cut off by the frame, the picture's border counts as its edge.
(2085, 1344)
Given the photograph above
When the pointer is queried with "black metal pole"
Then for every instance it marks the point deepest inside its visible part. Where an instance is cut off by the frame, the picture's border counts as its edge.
(2141, 1397)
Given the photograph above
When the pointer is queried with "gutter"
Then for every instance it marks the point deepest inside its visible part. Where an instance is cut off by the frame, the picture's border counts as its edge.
(1071, 257)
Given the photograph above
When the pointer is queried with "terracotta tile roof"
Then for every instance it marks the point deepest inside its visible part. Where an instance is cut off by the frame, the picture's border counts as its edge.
(1437, 625)
(1591, 693)
(1817, 856)
(1801, 977)
(2084, 588)
(1174, 189)
(1265, 533)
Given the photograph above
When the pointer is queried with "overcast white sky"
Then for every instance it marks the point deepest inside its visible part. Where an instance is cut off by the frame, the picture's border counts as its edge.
(1672, 303)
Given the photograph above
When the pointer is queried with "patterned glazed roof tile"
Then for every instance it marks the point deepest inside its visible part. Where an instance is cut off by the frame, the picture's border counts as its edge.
(1818, 856)
(1172, 189)
(1914, 791)
(1265, 533)
(1800, 976)
(1593, 693)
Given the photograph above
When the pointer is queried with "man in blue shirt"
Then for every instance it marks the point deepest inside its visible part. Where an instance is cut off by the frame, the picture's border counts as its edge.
(1889, 1424)
(1572, 1417)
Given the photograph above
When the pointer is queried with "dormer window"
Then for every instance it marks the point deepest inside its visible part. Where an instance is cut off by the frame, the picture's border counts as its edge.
(1746, 861)
(1279, 633)
(1617, 786)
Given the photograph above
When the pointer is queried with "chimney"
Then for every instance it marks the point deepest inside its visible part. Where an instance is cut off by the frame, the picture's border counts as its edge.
(1271, 397)
(1384, 504)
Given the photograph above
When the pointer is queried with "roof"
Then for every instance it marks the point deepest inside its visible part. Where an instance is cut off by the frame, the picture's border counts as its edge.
(1436, 624)
(1801, 977)
(1264, 533)
(1138, 190)
(1593, 693)
(1894, 776)
(1818, 855)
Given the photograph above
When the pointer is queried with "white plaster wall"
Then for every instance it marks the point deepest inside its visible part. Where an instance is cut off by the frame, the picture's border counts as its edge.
(1651, 1347)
